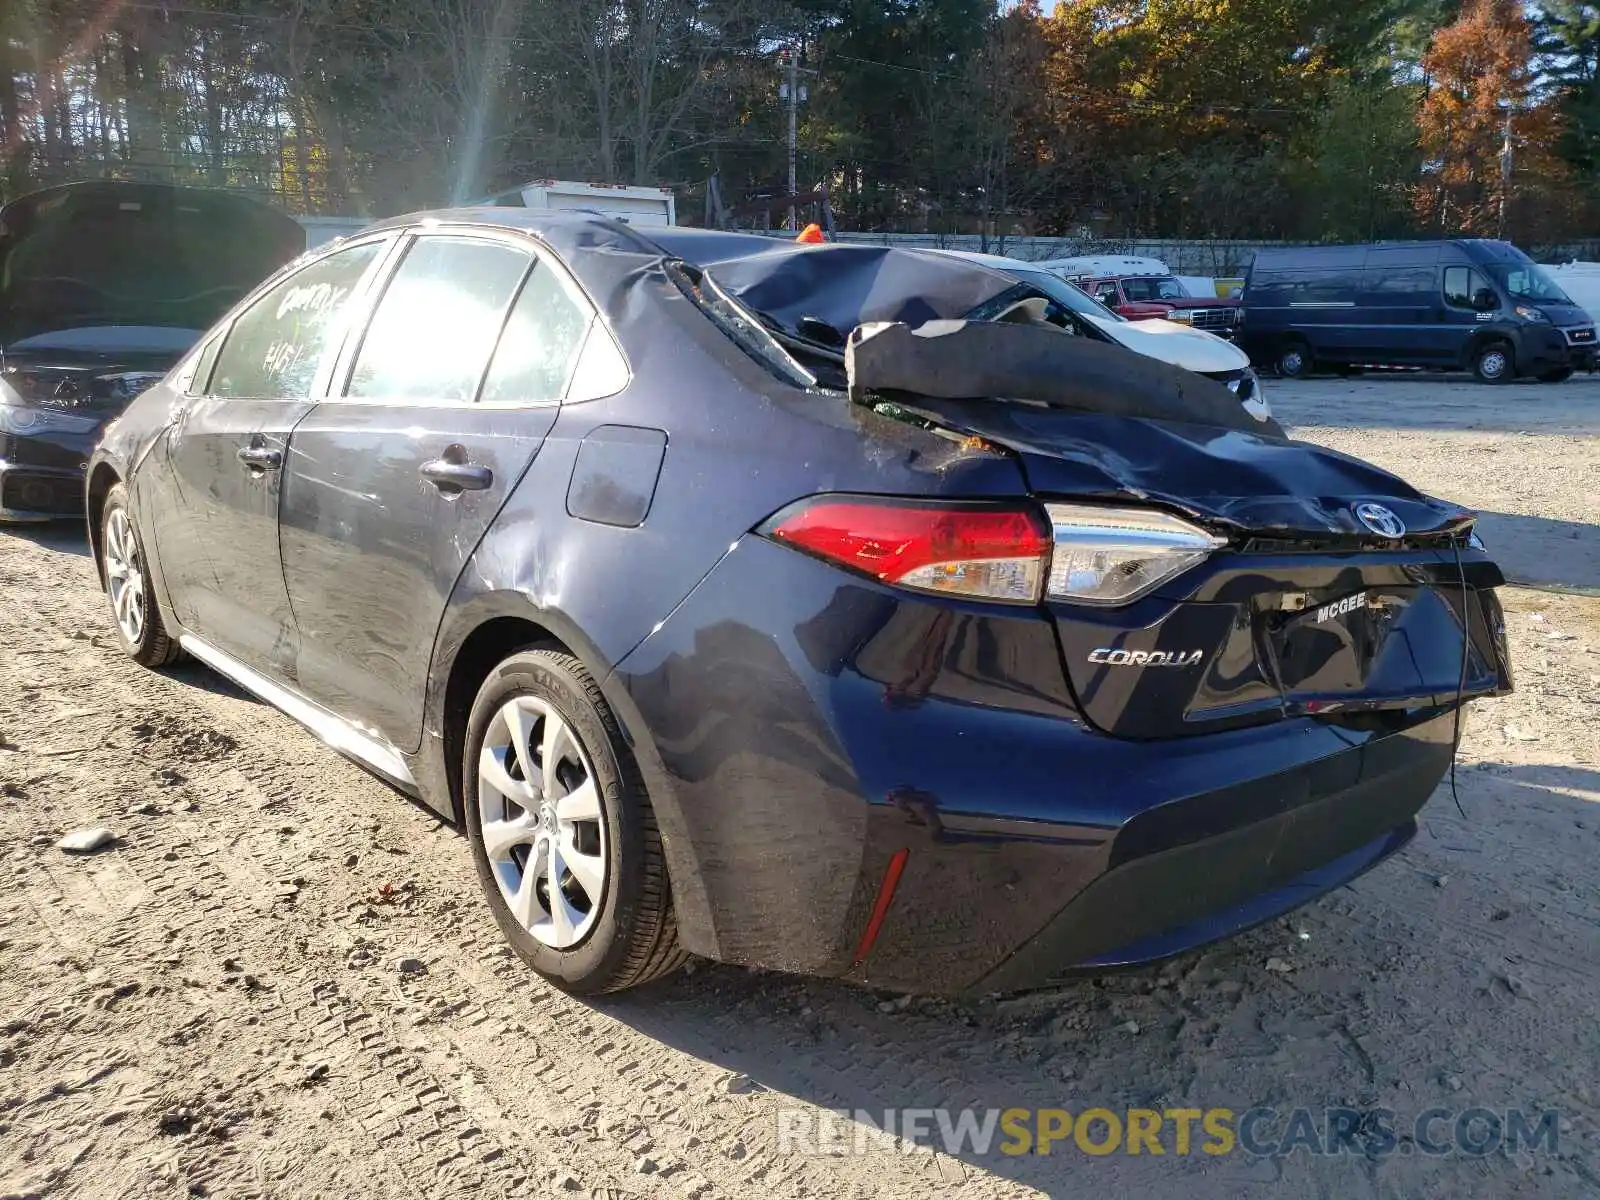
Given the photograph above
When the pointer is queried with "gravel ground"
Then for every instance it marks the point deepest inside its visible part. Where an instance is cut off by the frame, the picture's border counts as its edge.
(279, 980)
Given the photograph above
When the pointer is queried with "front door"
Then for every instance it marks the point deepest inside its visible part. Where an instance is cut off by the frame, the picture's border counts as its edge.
(389, 487)
(1458, 319)
(218, 527)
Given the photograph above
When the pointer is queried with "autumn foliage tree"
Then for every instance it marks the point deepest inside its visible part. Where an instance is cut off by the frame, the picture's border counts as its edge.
(1478, 119)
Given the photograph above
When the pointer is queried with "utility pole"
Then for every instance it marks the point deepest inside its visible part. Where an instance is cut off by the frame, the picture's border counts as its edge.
(794, 132)
(1507, 155)
(792, 91)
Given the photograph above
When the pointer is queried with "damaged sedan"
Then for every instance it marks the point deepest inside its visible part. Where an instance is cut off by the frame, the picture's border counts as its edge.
(819, 608)
(103, 286)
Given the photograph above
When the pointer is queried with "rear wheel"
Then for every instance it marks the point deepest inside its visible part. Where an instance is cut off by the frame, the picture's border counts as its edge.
(139, 626)
(1560, 375)
(563, 837)
(1294, 360)
(1494, 364)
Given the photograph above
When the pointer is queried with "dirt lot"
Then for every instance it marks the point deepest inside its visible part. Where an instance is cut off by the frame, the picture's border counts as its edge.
(279, 981)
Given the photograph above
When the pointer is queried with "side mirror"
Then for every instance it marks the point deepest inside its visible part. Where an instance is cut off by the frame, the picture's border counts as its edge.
(1485, 301)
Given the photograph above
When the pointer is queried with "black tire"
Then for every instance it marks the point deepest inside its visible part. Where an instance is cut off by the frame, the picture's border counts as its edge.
(153, 647)
(1560, 375)
(1294, 360)
(634, 940)
(1494, 362)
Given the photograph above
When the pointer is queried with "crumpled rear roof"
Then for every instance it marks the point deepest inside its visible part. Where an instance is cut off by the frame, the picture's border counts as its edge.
(841, 285)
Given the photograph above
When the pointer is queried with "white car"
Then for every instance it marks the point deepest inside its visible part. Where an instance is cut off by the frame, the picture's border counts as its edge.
(1180, 345)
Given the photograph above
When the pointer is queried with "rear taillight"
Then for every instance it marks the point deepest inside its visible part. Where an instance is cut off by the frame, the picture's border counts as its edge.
(1112, 556)
(977, 551)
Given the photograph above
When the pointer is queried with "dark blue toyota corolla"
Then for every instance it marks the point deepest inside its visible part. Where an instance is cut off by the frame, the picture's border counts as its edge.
(825, 608)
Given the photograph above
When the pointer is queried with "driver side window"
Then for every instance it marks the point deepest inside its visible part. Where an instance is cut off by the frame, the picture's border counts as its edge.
(276, 345)
(1106, 293)
(1461, 284)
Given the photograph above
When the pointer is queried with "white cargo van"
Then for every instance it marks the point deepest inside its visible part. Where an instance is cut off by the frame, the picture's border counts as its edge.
(645, 206)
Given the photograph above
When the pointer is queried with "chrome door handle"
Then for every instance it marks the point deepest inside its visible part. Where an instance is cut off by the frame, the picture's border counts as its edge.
(261, 458)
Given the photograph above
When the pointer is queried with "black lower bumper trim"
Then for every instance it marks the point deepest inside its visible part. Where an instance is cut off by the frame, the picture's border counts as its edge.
(1209, 886)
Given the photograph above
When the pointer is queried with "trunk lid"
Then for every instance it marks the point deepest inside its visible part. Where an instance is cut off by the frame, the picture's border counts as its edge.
(1307, 612)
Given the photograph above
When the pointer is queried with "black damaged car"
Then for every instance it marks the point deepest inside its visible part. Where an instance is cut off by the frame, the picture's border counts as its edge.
(103, 286)
(823, 608)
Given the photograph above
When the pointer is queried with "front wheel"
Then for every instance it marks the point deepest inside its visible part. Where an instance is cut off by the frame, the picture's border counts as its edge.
(1294, 360)
(562, 833)
(140, 629)
(1560, 375)
(1494, 364)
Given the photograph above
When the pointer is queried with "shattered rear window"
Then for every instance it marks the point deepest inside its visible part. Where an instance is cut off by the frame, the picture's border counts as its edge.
(745, 331)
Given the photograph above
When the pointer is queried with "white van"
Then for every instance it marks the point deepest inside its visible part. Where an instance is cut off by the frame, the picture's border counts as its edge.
(1180, 345)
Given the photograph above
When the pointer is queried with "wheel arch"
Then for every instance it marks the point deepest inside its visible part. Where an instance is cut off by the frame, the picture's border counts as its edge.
(489, 629)
(1482, 338)
(102, 479)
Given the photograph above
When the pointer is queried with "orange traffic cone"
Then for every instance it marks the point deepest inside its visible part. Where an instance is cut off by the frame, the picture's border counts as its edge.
(812, 235)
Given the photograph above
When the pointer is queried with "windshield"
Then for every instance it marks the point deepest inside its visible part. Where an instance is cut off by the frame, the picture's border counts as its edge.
(1073, 299)
(1138, 291)
(1525, 281)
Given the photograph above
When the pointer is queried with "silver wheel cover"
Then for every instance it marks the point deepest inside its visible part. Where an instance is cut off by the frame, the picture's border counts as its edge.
(543, 830)
(125, 575)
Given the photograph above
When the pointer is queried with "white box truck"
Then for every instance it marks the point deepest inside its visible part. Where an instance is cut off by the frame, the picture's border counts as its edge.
(634, 205)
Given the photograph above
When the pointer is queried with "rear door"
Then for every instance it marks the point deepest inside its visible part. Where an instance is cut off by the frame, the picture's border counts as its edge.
(443, 402)
(215, 519)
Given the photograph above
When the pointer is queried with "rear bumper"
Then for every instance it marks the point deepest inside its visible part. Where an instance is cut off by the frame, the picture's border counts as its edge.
(800, 731)
(30, 493)
(1152, 904)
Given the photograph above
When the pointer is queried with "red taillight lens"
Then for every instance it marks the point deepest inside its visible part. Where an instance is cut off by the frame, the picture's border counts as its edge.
(979, 551)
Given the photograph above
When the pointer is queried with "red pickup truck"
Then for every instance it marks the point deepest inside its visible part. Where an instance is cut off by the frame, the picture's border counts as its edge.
(1141, 297)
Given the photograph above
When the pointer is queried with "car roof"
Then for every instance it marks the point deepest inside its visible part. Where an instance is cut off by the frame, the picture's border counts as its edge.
(842, 284)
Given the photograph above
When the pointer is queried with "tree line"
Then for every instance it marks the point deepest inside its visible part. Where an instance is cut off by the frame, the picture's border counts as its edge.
(1262, 119)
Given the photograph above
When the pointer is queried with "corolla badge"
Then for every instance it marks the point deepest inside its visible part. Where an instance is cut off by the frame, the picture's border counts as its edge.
(1380, 520)
(1147, 658)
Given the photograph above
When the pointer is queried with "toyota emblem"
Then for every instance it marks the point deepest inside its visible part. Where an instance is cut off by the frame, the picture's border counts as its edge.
(1380, 520)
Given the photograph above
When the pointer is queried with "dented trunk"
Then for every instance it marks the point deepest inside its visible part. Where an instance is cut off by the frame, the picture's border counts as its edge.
(1305, 611)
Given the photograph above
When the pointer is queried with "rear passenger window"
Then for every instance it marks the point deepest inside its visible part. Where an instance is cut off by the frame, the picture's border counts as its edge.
(277, 344)
(1461, 284)
(1325, 288)
(1391, 285)
(435, 328)
(539, 348)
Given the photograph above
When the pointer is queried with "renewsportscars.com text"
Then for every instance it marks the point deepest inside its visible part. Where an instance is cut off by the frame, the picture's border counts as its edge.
(1258, 1132)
